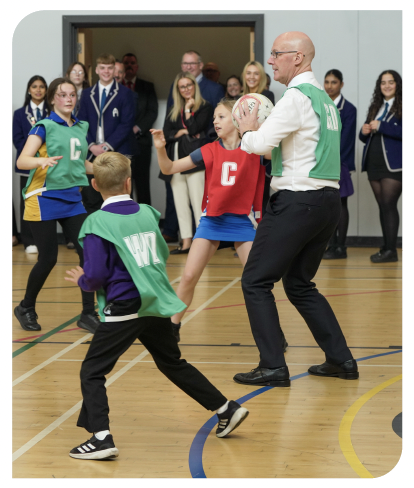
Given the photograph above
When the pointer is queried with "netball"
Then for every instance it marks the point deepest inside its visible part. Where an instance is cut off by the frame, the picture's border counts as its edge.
(265, 107)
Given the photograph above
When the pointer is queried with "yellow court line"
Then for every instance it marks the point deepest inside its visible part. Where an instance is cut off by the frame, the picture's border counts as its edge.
(346, 424)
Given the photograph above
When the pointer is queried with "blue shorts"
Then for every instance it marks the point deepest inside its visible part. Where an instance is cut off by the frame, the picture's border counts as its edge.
(226, 227)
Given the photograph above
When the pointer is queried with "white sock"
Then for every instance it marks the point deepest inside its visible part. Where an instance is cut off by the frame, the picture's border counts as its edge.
(101, 435)
(223, 408)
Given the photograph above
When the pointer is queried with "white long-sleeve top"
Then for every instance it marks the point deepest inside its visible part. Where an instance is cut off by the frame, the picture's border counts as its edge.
(294, 122)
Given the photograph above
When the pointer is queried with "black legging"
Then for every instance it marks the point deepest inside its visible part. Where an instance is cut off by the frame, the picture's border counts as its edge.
(45, 238)
(339, 236)
(387, 192)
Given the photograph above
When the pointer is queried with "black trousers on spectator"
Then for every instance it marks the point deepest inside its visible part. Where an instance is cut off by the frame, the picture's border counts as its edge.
(289, 245)
(171, 220)
(45, 238)
(25, 232)
(111, 340)
(140, 174)
(91, 199)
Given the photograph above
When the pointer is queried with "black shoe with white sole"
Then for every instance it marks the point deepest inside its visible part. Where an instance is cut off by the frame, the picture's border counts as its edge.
(231, 418)
(96, 449)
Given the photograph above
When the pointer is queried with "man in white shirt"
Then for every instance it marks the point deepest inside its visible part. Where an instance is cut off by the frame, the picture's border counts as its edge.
(303, 133)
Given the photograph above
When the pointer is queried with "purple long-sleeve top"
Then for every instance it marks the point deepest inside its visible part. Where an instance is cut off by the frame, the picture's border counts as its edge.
(103, 266)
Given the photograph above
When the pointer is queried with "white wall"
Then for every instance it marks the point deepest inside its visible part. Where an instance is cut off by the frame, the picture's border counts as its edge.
(343, 40)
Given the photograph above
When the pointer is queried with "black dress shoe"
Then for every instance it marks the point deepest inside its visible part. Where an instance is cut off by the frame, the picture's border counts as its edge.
(335, 252)
(180, 250)
(176, 330)
(347, 370)
(27, 318)
(384, 256)
(264, 377)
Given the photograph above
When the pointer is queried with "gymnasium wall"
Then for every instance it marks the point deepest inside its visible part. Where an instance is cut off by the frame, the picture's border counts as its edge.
(345, 40)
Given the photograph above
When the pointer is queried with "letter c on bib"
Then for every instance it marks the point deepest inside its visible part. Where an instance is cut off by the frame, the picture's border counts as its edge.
(227, 180)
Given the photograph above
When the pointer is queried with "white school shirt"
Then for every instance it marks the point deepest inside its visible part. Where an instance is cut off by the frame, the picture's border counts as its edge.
(34, 108)
(293, 121)
(100, 135)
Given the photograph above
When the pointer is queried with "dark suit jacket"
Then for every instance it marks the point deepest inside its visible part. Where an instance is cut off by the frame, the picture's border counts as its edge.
(118, 117)
(21, 129)
(348, 115)
(147, 111)
(391, 135)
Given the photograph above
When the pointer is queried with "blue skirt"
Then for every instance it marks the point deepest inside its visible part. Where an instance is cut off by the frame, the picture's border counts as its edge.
(227, 227)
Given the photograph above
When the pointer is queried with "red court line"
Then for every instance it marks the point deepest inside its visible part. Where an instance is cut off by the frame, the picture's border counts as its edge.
(227, 306)
(40, 335)
(286, 299)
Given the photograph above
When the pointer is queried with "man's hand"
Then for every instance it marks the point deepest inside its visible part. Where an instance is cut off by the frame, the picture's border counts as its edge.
(247, 120)
(75, 274)
(96, 149)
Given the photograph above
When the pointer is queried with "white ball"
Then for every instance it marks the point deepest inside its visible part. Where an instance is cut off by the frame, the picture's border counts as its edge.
(265, 107)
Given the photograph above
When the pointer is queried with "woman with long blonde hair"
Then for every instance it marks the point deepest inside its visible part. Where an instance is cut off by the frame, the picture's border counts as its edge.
(254, 80)
(185, 129)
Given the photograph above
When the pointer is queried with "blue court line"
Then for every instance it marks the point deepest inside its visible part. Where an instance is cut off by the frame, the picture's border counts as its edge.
(195, 457)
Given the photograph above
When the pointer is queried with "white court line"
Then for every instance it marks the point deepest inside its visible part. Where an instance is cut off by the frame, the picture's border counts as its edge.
(113, 378)
(50, 360)
(227, 362)
(71, 411)
(61, 353)
(205, 304)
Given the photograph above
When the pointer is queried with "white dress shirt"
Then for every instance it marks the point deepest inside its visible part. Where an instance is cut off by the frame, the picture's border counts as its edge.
(293, 121)
(34, 108)
(100, 134)
(382, 108)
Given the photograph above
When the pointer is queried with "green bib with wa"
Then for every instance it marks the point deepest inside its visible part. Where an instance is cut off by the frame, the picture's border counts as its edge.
(327, 153)
(143, 250)
(71, 143)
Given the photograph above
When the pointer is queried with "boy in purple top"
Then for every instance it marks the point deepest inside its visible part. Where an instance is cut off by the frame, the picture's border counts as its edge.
(126, 314)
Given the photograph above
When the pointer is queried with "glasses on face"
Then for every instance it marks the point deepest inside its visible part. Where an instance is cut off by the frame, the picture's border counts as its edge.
(74, 72)
(193, 63)
(185, 87)
(275, 54)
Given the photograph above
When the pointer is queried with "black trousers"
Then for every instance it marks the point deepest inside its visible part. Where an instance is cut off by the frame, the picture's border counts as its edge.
(45, 238)
(91, 199)
(289, 245)
(140, 174)
(111, 340)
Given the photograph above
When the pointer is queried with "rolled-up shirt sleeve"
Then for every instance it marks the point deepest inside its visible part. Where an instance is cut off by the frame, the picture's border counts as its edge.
(285, 118)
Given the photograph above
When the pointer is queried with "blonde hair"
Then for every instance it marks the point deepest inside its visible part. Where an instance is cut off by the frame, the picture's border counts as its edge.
(228, 104)
(105, 58)
(179, 101)
(262, 79)
(111, 169)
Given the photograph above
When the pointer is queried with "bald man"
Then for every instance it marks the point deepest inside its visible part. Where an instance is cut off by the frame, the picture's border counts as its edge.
(303, 134)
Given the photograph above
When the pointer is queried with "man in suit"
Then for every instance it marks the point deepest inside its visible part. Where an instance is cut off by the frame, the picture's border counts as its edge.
(109, 108)
(211, 72)
(146, 113)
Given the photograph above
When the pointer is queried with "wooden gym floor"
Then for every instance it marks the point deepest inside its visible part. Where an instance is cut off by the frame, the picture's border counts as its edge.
(317, 428)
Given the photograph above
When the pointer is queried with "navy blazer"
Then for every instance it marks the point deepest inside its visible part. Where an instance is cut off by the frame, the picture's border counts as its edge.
(21, 129)
(348, 113)
(147, 110)
(391, 139)
(118, 117)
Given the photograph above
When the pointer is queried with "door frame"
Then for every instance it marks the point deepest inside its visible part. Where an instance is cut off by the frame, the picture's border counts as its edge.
(71, 23)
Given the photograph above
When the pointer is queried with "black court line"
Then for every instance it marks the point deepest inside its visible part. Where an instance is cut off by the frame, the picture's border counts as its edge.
(208, 345)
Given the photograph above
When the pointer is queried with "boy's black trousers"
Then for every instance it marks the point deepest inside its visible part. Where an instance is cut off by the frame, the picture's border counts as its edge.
(111, 340)
(289, 245)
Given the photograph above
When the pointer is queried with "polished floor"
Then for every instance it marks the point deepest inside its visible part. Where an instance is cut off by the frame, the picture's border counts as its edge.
(317, 428)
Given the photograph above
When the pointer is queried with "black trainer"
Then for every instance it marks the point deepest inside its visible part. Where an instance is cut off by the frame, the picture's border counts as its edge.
(231, 418)
(335, 252)
(96, 449)
(27, 318)
(89, 322)
(176, 330)
(384, 256)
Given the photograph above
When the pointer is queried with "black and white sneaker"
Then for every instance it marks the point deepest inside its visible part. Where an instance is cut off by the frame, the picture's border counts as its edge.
(96, 449)
(231, 418)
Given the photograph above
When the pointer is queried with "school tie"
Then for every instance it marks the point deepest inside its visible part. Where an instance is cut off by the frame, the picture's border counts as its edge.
(130, 85)
(103, 100)
(384, 113)
(38, 114)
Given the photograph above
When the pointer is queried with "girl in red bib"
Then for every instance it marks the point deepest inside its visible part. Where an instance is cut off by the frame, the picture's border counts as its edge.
(232, 201)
